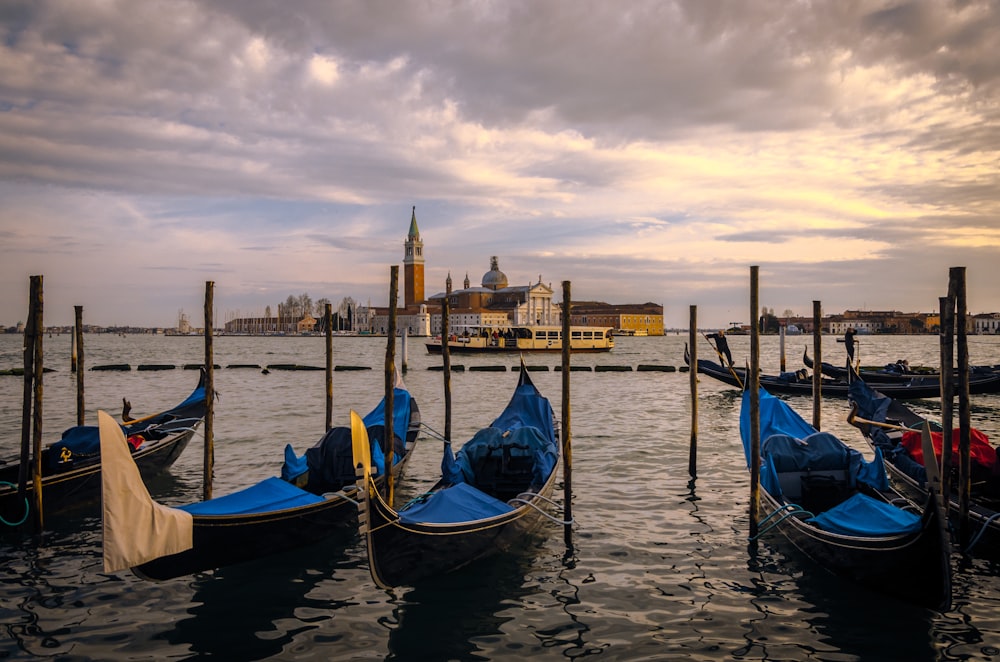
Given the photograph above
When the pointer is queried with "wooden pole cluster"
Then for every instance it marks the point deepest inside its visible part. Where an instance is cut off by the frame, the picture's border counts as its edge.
(208, 465)
(390, 379)
(446, 358)
(693, 381)
(78, 363)
(753, 383)
(567, 446)
(817, 362)
(328, 321)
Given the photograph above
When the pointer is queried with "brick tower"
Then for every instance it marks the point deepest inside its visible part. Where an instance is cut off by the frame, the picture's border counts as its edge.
(413, 265)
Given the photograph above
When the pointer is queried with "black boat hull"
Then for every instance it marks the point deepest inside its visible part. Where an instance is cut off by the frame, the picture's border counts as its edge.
(402, 554)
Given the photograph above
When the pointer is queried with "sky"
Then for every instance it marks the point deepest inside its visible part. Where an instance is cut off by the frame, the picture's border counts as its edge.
(643, 151)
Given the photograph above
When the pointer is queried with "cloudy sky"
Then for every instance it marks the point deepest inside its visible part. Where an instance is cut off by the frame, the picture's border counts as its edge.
(644, 151)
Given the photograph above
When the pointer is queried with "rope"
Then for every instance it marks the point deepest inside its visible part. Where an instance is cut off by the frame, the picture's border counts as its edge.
(23, 519)
(340, 495)
(434, 433)
(981, 531)
(541, 511)
(792, 509)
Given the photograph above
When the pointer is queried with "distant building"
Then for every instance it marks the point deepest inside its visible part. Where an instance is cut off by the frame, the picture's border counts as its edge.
(643, 319)
(986, 323)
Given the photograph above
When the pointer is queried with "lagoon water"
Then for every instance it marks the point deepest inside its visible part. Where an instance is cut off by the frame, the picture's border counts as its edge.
(660, 568)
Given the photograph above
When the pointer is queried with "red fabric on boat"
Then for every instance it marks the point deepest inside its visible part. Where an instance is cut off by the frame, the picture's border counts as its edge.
(980, 450)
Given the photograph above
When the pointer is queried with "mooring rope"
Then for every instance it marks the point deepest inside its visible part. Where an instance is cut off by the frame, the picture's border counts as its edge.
(981, 531)
(788, 510)
(23, 519)
(541, 511)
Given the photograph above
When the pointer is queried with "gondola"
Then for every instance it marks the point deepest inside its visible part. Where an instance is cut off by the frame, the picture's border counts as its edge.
(891, 427)
(891, 373)
(492, 494)
(801, 383)
(313, 498)
(839, 510)
(71, 467)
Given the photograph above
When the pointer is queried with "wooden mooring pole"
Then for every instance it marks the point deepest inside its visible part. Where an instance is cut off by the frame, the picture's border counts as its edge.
(78, 363)
(956, 291)
(947, 333)
(753, 383)
(446, 359)
(693, 381)
(328, 322)
(567, 445)
(817, 362)
(390, 380)
(208, 464)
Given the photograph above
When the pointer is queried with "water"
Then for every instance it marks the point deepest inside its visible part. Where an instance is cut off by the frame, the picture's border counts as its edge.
(660, 568)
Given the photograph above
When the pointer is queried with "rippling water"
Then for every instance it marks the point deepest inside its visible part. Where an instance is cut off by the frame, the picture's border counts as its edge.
(660, 567)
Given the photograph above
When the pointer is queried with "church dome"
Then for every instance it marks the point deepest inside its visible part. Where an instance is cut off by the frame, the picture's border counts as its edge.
(494, 279)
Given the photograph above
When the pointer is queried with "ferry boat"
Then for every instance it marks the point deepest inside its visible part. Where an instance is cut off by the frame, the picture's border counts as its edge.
(485, 340)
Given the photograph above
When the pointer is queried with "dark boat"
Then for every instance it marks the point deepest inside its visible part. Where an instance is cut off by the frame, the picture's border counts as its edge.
(891, 373)
(314, 498)
(839, 510)
(800, 382)
(492, 494)
(892, 427)
(71, 467)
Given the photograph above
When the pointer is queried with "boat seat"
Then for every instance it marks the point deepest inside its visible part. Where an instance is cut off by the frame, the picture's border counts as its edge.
(505, 472)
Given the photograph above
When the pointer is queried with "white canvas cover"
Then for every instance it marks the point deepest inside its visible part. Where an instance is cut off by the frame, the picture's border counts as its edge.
(136, 528)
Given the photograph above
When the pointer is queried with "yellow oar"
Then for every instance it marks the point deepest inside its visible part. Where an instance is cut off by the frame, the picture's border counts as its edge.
(723, 362)
(361, 449)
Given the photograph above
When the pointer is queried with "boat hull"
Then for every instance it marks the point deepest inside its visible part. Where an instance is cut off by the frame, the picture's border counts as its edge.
(403, 554)
(917, 388)
(79, 484)
(227, 540)
(910, 567)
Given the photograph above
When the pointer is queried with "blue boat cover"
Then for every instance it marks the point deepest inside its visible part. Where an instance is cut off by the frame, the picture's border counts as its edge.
(331, 460)
(525, 428)
(268, 495)
(788, 443)
(457, 503)
(862, 515)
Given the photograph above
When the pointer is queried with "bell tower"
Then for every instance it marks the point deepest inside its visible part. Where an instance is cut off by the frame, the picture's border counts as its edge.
(413, 264)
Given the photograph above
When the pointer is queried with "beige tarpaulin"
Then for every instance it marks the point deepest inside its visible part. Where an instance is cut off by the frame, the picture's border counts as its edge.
(136, 528)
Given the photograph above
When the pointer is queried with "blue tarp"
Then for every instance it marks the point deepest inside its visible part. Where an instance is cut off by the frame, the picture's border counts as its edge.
(268, 495)
(458, 503)
(525, 428)
(335, 455)
(862, 515)
(788, 443)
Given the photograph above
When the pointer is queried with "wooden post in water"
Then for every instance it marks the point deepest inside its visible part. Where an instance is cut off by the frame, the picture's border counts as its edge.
(208, 465)
(405, 336)
(28, 348)
(78, 363)
(693, 381)
(328, 321)
(36, 425)
(781, 343)
(446, 359)
(817, 363)
(567, 446)
(947, 333)
(753, 383)
(390, 380)
(956, 286)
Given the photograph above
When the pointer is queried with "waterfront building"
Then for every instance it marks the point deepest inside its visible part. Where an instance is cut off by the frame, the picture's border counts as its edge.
(630, 319)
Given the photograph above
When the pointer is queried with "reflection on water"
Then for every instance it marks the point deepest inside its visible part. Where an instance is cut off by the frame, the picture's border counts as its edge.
(659, 568)
(256, 610)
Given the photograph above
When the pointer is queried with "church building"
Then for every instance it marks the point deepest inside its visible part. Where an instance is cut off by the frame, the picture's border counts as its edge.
(493, 303)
